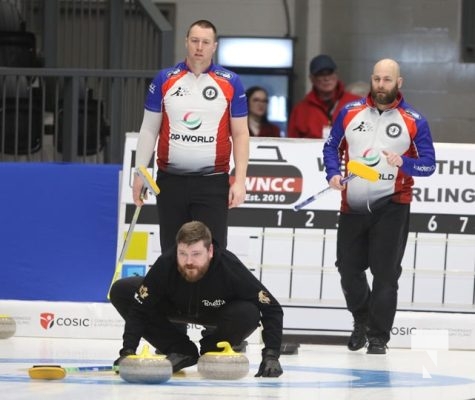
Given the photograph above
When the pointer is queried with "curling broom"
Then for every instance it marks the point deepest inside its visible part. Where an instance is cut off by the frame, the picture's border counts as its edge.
(355, 169)
(55, 372)
(151, 186)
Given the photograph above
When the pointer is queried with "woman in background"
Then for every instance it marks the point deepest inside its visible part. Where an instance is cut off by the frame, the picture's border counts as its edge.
(259, 125)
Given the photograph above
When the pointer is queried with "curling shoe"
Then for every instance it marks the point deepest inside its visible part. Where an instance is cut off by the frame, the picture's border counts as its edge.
(358, 337)
(376, 346)
(180, 361)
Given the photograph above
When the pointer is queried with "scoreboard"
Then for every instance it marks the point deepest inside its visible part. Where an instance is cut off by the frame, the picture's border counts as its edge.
(315, 219)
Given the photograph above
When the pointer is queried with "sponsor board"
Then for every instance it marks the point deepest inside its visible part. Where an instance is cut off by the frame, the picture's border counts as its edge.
(64, 319)
(101, 321)
(270, 178)
(336, 321)
(75, 320)
(283, 172)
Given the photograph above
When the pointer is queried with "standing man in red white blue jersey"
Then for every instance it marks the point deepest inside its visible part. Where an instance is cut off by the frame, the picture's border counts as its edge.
(197, 111)
(386, 133)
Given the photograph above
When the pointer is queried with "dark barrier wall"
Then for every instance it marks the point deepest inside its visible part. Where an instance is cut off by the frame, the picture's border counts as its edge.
(58, 231)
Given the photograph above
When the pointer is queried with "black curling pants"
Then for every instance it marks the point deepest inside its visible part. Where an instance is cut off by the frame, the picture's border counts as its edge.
(233, 322)
(184, 198)
(376, 241)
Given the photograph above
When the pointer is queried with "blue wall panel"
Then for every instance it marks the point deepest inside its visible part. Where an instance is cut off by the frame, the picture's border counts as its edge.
(58, 231)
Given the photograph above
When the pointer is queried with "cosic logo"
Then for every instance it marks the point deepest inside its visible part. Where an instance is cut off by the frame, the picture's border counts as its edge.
(402, 330)
(50, 320)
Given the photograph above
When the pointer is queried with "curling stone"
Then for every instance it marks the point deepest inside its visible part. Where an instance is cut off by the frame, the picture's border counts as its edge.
(226, 364)
(145, 368)
(7, 326)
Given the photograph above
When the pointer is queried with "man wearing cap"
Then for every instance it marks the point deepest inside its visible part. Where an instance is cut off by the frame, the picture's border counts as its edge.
(313, 116)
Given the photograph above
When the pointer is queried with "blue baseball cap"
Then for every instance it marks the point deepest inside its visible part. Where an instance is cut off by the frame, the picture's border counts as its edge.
(321, 63)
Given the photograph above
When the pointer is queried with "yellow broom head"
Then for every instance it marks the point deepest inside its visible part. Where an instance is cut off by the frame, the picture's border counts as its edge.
(363, 171)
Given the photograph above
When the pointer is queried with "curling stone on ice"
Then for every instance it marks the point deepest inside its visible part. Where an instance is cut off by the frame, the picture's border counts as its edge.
(226, 364)
(145, 368)
(7, 326)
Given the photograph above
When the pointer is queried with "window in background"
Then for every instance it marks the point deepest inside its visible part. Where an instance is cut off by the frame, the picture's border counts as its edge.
(262, 61)
(468, 31)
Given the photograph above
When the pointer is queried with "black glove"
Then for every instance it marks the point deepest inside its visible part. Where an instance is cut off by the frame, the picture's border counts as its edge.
(270, 365)
(123, 353)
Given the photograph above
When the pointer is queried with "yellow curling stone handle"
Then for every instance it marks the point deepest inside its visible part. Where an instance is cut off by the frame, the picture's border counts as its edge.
(145, 353)
(227, 350)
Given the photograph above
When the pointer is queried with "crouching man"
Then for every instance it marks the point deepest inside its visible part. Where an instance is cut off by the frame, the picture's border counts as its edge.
(197, 282)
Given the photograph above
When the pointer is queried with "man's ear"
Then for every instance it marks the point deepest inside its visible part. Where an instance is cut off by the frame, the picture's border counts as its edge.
(399, 82)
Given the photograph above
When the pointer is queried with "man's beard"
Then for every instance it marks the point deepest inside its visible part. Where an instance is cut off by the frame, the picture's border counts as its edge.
(193, 275)
(384, 98)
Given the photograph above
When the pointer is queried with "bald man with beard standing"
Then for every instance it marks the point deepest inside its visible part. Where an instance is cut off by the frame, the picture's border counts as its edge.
(386, 133)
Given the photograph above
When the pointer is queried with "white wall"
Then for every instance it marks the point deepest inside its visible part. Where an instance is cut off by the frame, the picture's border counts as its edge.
(259, 18)
(231, 17)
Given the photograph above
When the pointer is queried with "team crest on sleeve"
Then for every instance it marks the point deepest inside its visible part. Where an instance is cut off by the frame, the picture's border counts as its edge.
(353, 104)
(263, 297)
(174, 71)
(143, 292)
(210, 93)
(413, 114)
(393, 130)
(224, 74)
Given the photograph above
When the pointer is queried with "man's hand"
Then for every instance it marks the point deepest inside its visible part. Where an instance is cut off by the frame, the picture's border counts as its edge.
(237, 195)
(270, 365)
(393, 159)
(335, 182)
(123, 354)
(137, 187)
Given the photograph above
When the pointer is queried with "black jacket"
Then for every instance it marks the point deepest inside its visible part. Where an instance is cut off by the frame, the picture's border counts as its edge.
(227, 279)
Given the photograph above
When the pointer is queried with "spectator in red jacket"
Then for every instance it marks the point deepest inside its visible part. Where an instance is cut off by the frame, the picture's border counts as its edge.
(314, 115)
(257, 102)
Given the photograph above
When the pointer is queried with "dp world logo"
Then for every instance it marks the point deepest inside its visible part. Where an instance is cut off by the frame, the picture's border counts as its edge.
(192, 121)
(47, 320)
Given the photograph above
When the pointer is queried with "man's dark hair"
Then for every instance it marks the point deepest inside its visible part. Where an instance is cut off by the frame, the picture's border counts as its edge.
(203, 23)
(192, 232)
